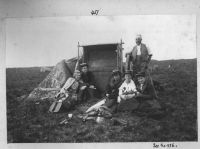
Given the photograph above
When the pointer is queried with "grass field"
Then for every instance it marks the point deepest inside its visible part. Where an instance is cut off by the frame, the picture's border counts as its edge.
(30, 122)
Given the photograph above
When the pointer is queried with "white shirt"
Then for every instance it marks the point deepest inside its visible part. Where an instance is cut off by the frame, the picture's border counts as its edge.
(127, 87)
(141, 86)
(139, 51)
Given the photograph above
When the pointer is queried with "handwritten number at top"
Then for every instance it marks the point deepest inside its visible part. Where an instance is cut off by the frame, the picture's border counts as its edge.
(94, 12)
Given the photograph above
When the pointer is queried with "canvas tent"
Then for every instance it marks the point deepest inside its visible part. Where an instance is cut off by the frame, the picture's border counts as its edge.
(54, 80)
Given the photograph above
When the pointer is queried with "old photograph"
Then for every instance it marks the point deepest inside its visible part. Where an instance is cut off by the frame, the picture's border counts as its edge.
(83, 79)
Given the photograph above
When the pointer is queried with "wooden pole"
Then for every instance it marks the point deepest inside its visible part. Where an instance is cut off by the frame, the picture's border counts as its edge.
(121, 55)
(151, 81)
(77, 63)
(117, 56)
(78, 50)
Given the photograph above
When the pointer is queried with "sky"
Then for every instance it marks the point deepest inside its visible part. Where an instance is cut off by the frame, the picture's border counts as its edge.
(46, 41)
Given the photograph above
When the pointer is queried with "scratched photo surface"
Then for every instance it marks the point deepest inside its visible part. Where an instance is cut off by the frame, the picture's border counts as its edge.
(42, 53)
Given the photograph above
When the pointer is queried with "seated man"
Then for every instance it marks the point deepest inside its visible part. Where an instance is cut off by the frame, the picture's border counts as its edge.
(70, 94)
(127, 93)
(87, 78)
(146, 94)
(112, 90)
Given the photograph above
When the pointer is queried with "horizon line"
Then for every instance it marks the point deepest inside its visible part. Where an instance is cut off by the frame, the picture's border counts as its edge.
(64, 59)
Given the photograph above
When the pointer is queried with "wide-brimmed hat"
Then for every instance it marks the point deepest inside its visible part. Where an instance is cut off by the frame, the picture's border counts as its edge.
(83, 64)
(115, 72)
(128, 72)
(141, 74)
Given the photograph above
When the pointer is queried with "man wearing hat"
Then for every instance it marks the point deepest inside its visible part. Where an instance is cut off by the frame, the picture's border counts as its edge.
(139, 57)
(112, 90)
(87, 78)
(86, 75)
(144, 86)
(145, 94)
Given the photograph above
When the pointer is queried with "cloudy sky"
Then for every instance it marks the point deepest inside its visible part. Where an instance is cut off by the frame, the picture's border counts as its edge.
(46, 41)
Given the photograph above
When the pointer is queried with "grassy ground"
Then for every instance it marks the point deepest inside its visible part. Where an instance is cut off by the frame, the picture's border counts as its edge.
(30, 122)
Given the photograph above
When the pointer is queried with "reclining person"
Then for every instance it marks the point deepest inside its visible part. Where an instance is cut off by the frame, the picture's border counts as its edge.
(112, 90)
(108, 105)
(71, 93)
(88, 79)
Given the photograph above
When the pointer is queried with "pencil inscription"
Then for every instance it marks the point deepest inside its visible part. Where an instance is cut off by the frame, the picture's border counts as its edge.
(95, 12)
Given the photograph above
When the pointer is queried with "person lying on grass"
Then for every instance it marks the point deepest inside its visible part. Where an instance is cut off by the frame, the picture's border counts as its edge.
(71, 93)
(108, 105)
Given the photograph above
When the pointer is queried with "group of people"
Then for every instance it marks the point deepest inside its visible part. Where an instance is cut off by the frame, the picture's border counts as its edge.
(131, 91)
(125, 94)
(135, 91)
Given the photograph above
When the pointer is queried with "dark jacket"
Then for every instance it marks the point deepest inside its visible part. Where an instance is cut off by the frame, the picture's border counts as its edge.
(144, 53)
(87, 78)
(147, 91)
(147, 100)
(113, 88)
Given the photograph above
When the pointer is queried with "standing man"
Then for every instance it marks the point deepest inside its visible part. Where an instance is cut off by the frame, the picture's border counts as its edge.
(138, 59)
